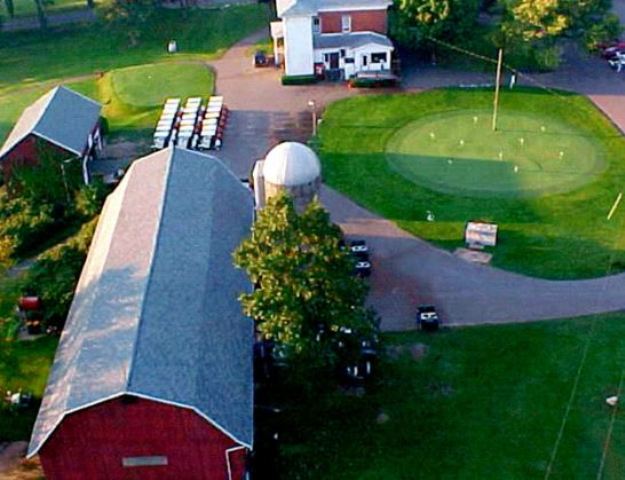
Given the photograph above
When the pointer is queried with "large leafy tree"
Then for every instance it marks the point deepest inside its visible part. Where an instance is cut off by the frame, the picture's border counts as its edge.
(533, 21)
(536, 19)
(131, 16)
(10, 6)
(304, 282)
(416, 22)
(41, 14)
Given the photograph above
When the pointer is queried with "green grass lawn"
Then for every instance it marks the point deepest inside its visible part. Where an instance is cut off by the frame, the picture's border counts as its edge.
(32, 57)
(459, 153)
(149, 85)
(562, 235)
(483, 403)
(27, 7)
(23, 365)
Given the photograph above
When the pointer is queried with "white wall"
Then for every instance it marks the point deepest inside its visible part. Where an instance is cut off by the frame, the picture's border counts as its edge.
(298, 46)
(367, 50)
(356, 54)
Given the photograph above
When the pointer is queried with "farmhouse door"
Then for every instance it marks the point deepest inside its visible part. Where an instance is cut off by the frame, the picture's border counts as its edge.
(334, 61)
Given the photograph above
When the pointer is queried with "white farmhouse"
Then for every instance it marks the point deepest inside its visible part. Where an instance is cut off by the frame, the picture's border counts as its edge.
(337, 37)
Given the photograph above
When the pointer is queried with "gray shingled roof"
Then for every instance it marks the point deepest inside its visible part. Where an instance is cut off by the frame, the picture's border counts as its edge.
(156, 311)
(306, 7)
(351, 40)
(61, 116)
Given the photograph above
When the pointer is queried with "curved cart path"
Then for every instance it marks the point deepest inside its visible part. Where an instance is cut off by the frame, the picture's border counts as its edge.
(407, 270)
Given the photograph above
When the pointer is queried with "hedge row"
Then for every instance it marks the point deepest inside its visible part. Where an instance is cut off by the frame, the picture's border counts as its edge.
(298, 79)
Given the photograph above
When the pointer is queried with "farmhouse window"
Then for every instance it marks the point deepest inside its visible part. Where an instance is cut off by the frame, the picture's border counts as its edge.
(342, 53)
(154, 461)
(346, 23)
(378, 57)
(349, 60)
(316, 25)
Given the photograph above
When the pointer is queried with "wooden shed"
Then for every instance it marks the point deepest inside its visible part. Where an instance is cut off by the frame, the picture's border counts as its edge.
(153, 375)
(62, 120)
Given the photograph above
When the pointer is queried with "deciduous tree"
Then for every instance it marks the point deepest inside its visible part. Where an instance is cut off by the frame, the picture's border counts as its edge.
(304, 282)
(415, 22)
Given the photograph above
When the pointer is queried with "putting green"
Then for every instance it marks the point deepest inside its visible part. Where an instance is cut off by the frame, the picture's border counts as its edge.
(149, 85)
(457, 152)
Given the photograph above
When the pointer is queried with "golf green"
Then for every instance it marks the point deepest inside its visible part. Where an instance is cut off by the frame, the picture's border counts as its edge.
(458, 152)
(149, 85)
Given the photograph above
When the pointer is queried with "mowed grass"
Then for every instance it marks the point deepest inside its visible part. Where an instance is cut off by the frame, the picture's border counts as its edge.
(28, 8)
(560, 236)
(12, 105)
(149, 85)
(484, 402)
(23, 365)
(459, 153)
(32, 57)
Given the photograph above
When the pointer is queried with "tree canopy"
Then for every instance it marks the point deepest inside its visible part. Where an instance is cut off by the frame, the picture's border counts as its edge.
(528, 29)
(305, 292)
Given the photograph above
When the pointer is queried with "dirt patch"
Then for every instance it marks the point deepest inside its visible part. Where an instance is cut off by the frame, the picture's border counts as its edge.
(13, 465)
(123, 150)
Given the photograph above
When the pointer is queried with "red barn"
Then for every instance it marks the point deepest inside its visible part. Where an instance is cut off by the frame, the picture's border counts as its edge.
(62, 120)
(153, 375)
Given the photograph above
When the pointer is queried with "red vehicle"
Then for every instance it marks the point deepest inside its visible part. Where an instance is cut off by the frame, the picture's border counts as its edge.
(610, 50)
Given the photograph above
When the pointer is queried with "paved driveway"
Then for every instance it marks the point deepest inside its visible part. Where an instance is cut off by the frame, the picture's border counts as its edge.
(407, 270)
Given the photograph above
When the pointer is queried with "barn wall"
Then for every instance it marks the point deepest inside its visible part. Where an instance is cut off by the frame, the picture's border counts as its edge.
(91, 443)
(26, 153)
(362, 21)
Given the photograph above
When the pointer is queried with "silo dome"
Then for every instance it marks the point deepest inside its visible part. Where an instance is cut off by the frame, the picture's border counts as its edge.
(291, 164)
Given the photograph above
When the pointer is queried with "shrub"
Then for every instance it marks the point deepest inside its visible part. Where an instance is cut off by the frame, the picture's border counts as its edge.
(24, 225)
(89, 199)
(54, 275)
(604, 31)
(372, 82)
(298, 79)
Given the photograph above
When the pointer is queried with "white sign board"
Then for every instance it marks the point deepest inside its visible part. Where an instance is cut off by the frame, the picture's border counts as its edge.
(480, 233)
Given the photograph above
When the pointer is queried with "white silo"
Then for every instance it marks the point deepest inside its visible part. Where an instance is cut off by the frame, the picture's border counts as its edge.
(291, 167)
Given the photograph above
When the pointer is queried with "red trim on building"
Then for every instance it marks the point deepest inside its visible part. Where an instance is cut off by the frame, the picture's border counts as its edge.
(92, 443)
(26, 152)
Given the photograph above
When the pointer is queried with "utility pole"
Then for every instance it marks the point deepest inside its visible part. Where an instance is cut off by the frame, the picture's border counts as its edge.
(313, 106)
(497, 82)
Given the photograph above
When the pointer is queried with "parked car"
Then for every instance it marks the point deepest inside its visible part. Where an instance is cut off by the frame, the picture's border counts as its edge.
(609, 50)
(618, 62)
(362, 268)
(359, 248)
(362, 365)
(260, 59)
(427, 318)
(360, 254)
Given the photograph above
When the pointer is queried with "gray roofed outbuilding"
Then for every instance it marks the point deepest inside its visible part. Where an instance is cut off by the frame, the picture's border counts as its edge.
(156, 311)
(351, 40)
(311, 7)
(61, 116)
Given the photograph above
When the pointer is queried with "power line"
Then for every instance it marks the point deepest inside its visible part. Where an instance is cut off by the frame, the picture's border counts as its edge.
(569, 404)
(590, 334)
(608, 438)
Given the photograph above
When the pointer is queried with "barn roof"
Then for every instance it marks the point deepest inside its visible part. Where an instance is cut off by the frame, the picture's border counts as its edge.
(156, 311)
(311, 7)
(61, 116)
(351, 40)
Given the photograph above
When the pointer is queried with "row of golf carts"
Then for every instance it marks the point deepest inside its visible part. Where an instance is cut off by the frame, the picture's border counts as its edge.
(194, 125)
